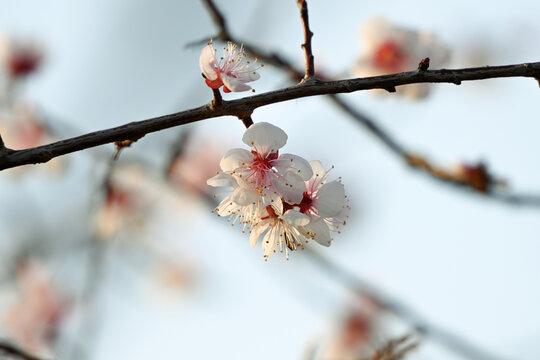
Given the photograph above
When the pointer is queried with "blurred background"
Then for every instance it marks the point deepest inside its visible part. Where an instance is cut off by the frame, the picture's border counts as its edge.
(107, 259)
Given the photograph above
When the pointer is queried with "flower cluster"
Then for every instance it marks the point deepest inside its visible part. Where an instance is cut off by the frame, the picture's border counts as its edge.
(230, 71)
(391, 49)
(280, 197)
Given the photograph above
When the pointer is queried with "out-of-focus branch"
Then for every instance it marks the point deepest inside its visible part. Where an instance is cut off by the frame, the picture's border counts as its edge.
(310, 67)
(242, 107)
(395, 349)
(451, 341)
(13, 351)
(410, 158)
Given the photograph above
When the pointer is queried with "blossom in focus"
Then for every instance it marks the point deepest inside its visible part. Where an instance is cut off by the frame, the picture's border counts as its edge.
(230, 71)
(34, 318)
(280, 229)
(263, 169)
(324, 203)
(391, 49)
(282, 199)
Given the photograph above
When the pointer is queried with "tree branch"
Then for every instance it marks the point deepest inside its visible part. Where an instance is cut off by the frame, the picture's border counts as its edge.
(12, 350)
(242, 107)
(310, 67)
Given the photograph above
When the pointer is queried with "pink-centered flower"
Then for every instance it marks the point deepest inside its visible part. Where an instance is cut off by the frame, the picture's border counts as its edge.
(230, 71)
(272, 175)
(280, 230)
(325, 203)
(281, 198)
(391, 49)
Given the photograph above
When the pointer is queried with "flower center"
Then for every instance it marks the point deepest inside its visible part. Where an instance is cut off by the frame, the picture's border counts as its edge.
(306, 204)
(261, 163)
(390, 56)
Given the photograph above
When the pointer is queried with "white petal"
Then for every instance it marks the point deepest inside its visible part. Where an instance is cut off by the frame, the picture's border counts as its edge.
(276, 203)
(265, 137)
(234, 158)
(320, 231)
(295, 218)
(226, 207)
(244, 196)
(246, 74)
(256, 232)
(290, 186)
(330, 199)
(270, 240)
(208, 62)
(234, 84)
(317, 167)
(299, 164)
(222, 179)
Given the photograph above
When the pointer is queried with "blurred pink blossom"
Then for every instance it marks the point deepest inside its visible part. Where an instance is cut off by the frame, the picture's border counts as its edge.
(34, 318)
(388, 48)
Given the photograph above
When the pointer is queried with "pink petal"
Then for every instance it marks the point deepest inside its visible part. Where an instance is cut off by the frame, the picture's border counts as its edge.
(208, 63)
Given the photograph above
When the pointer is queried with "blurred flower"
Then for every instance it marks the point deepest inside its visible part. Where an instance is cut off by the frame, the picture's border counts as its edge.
(230, 71)
(356, 335)
(192, 167)
(391, 49)
(19, 57)
(23, 129)
(33, 320)
(124, 206)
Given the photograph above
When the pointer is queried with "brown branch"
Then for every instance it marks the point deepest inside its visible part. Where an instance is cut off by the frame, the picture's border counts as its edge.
(359, 286)
(11, 350)
(242, 107)
(218, 100)
(395, 349)
(310, 67)
(247, 121)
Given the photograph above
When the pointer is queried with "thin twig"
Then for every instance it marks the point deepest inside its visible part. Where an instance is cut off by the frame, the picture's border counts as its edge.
(217, 17)
(218, 100)
(247, 121)
(308, 34)
(12, 350)
(242, 107)
(451, 341)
